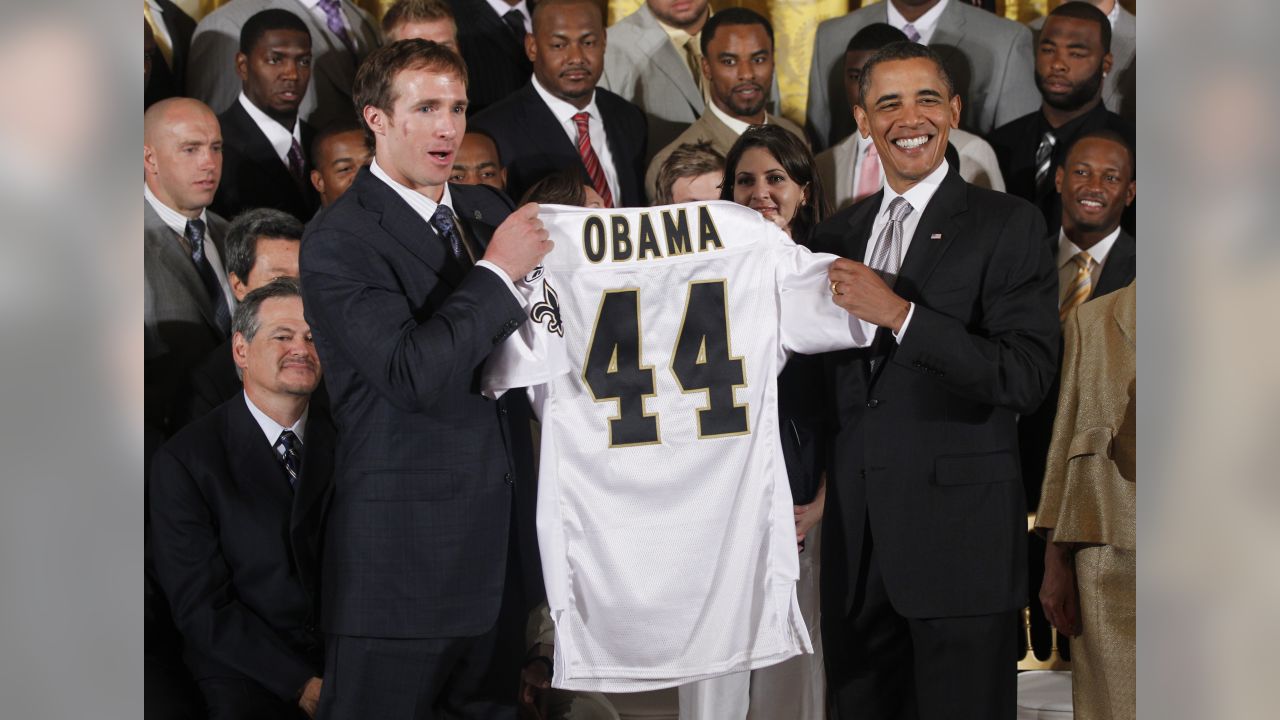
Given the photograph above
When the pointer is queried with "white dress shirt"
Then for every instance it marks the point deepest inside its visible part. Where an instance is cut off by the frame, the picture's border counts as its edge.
(178, 223)
(1067, 267)
(502, 8)
(564, 113)
(737, 126)
(272, 429)
(919, 196)
(425, 207)
(925, 24)
(161, 28)
(279, 136)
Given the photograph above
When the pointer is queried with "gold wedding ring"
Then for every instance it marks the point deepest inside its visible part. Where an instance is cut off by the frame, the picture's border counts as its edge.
(835, 287)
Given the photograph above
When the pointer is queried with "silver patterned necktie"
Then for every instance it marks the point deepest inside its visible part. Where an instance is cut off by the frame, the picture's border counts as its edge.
(1044, 162)
(288, 443)
(886, 259)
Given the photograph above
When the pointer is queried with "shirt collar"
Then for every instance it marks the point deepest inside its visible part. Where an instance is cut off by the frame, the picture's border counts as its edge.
(421, 204)
(502, 8)
(920, 193)
(308, 4)
(679, 37)
(280, 137)
(564, 111)
(271, 428)
(737, 126)
(1099, 252)
(925, 24)
(174, 219)
(1114, 15)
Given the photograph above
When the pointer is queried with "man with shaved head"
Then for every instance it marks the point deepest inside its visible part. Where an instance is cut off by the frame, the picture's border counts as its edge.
(561, 119)
(188, 301)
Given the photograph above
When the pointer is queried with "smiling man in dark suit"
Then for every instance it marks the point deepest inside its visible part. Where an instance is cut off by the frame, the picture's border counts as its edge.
(409, 288)
(235, 505)
(561, 119)
(264, 160)
(924, 562)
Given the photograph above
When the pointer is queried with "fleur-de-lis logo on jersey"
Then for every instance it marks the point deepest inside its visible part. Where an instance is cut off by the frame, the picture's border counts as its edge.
(548, 309)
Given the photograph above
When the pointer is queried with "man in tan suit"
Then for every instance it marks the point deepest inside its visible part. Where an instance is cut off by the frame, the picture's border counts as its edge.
(737, 68)
(1087, 507)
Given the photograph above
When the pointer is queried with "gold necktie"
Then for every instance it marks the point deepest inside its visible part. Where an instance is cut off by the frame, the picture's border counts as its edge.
(162, 38)
(693, 57)
(1081, 287)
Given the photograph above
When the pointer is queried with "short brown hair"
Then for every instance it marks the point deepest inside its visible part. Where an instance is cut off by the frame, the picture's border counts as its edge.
(687, 160)
(562, 187)
(415, 11)
(375, 80)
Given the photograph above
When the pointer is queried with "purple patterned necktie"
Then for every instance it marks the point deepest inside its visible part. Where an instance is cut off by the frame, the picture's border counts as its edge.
(297, 167)
(333, 18)
(910, 31)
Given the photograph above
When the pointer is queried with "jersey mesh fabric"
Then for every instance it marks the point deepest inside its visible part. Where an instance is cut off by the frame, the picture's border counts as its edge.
(673, 560)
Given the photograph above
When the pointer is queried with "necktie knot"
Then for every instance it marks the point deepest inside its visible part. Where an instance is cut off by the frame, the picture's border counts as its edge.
(288, 443)
(333, 20)
(582, 120)
(194, 233)
(443, 223)
(515, 22)
(899, 209)
(910, 31)
(1083, 260)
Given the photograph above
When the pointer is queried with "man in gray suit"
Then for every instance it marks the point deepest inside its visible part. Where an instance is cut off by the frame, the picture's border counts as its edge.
(187, 301)
(988, 57)
(1119, 86)
(341, 36)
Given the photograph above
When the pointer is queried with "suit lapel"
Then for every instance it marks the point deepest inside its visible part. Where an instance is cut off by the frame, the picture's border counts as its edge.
(406, 226)
(949, 33)
(668, 60)
(1120, 268)
(845, 159)
(167, 250)
(255, 146)
(936, 231)
(255, 467)
(617, 141)
(311, 495)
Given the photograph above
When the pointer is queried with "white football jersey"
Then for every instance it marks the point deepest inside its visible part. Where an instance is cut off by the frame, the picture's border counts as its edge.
(665, 519)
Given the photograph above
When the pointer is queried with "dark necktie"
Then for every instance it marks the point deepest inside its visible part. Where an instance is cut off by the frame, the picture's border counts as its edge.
(333, 20)
(297, 166)
(290, 459)
(515, 23)
(590, 160)
(1044, 163)
(195, 237)
(442, 222)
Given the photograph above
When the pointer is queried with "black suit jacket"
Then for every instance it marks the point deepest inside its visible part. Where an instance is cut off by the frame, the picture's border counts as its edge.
(496, 62)
(533, 144)
(418, 531)
(167, 82)
(1036, 430)
(234, 547)
(253, 175)
(926, 449)
(1016, 143)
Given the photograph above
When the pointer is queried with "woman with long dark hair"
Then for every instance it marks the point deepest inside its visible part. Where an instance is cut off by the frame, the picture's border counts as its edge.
(771, 171)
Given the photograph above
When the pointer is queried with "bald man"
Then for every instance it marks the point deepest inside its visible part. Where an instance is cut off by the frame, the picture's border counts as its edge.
(187, 301)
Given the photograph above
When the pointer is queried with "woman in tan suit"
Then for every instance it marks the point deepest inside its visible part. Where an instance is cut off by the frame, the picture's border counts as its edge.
(1087, 506)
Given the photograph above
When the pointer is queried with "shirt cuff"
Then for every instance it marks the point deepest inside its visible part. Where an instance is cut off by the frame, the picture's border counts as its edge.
(911, 310)
(507, 281)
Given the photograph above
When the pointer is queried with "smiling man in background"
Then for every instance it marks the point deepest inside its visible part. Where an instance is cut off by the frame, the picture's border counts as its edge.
(737, 68)
(338, 153)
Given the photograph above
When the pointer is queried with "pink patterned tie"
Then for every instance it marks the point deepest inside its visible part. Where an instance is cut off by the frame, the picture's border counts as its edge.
(868, 174)
(590, 160)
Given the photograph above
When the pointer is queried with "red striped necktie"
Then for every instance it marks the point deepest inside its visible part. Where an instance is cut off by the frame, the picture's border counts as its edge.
(589, 159)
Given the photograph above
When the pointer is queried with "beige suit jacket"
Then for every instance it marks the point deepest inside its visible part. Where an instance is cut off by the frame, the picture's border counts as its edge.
(1089, 490)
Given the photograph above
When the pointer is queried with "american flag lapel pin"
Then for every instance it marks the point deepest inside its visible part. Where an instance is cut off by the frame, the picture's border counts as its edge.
(477, 214)
(936, 236)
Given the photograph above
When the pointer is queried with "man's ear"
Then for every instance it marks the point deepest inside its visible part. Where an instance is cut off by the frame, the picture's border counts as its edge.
(530, 47)
(239, 288)
(376, 119)
(242, 66)
(956, 107)
(860, 117)
(1058, 176)
(240, 350)
(317, 181)
(1131, 194)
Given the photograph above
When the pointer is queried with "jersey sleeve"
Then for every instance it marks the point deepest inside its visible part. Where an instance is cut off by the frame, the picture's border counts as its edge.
(810, 322)
(535, 354)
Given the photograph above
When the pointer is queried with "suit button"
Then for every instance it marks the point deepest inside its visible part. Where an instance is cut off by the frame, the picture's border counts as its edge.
(873, 403)
(508, 479)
